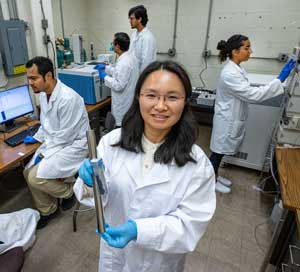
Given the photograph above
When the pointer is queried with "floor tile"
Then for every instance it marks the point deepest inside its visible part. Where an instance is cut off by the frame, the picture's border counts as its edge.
(251, 261)
(225, 252)
(228, 245)
(214, 265)
(195, 262)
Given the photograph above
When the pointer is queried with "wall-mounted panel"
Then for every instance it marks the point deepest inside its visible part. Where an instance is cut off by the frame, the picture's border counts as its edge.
(13, 46)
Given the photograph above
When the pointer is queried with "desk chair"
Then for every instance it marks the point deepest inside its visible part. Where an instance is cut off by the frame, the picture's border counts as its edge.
(109, 125)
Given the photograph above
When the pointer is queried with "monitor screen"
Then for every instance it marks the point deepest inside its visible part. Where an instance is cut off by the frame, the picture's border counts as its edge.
(15, 103)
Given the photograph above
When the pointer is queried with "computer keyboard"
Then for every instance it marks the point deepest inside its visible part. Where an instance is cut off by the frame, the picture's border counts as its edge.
(18, 138)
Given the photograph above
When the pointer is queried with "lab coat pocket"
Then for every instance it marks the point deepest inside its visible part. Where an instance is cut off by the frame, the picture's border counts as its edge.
(237, 129)
(153, 203)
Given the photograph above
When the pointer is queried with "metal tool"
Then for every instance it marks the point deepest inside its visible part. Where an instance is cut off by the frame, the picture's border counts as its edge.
(99, 186)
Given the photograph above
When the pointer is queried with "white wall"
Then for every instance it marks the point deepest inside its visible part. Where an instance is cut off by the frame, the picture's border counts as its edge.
(272, 26)
(74, 16)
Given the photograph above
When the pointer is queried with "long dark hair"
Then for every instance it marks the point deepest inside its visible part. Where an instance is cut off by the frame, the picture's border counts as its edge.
(179, 141)
(234, 42)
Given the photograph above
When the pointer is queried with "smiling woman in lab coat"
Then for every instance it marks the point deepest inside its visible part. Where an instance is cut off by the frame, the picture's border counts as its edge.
(161, 185)
(233, 95)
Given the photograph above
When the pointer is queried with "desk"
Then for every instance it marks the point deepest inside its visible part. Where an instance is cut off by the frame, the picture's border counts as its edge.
(11, 156)
(288, 161)
(98, 106)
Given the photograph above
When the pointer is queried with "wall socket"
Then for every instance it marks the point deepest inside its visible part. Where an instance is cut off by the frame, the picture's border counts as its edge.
(283, 57)
(206, 53)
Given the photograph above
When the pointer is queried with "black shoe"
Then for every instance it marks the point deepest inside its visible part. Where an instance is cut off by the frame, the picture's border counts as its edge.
(44, 220)
(68, 203)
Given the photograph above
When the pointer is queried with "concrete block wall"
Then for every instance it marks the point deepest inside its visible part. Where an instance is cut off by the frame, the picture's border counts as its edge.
(272, 25)
(267, 33)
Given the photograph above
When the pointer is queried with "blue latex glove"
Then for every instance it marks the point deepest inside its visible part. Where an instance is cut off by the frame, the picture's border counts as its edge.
(286, 70)
(102, 74)
(37, 160)
(86, 172)
(99, 67)
(29, 140)
(121, 235)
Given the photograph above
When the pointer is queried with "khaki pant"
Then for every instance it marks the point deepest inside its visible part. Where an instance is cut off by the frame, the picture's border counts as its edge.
(46, 191)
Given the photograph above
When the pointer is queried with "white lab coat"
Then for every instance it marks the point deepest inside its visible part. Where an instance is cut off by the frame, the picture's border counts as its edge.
(143, 44)
(171, 206)
(231, 107)
(18, 229)
(122, 78)
(64, 122)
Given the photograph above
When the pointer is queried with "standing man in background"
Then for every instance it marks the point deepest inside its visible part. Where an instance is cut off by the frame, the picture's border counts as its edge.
(121, 77)
(64, 122)
(143, 43)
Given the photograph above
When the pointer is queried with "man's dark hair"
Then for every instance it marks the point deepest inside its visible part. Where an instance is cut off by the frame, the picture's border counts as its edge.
(43, 64)
(178, 143)
(123, 40)
(139, 12)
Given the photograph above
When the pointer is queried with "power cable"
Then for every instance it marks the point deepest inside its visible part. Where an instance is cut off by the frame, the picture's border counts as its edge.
(201, 72)
(255, 235)
(54, 55)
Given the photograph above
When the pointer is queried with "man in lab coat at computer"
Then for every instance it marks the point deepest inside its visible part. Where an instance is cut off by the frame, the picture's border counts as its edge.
(64, 122)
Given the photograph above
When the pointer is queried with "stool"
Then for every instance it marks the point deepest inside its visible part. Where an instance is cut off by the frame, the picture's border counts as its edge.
(76, 211)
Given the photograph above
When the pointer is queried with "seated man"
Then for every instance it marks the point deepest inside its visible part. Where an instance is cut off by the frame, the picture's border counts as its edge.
(64, 122)
(121, 77)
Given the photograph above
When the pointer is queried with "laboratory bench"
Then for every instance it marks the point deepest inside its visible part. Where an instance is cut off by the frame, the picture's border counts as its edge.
(203, 113)
(284, 251)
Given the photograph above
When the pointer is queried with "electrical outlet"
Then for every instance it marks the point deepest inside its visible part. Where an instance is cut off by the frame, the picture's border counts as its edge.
(283, 57)
(206, 53)
(292, 122)
(46, 39)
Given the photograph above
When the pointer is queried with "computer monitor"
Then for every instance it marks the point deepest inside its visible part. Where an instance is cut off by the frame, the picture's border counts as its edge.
(14, 103)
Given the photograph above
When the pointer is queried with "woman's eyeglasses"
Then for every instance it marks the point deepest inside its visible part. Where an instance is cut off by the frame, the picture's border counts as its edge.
(155, 97)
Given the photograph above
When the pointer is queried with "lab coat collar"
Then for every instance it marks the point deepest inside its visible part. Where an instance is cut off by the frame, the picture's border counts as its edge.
(145, 29)
(55, 92)
(158, 174)
(53, 96)
(235, 66)
(239, 68)
(122, 56)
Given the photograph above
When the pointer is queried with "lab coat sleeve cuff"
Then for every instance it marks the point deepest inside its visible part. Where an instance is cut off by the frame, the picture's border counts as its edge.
(108, 81)
(37, 138)
(109, 69)
(146, 231)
